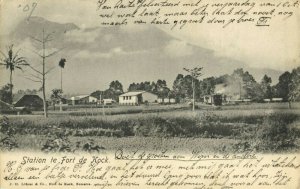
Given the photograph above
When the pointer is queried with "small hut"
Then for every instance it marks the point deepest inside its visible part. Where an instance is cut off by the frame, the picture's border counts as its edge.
(31, 102)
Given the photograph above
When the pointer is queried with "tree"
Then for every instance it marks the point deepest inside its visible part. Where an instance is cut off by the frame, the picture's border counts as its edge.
(259, 94)
(5, 94)
(143, 86)
(288, 86)
(115, 89)
(56, 97)
(188, 86)
(183, 87)
(41, 74)
(132, 87)
(195, 74)
(266, 86)
(222, 79)
(246, 83)
(207, 86)
(282, 87)
(96, 94)
(179, 87)
(153, 87)
(61, 64)
(116, 86)
(171, 94)
(294, 86)
(161, 89)
(21, 93)
(12, 61)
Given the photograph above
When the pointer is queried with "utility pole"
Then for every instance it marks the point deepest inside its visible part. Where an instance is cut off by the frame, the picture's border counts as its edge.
(41, 75)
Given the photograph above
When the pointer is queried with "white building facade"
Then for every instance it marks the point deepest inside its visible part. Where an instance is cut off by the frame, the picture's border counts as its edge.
(83, 99)
(137, 98)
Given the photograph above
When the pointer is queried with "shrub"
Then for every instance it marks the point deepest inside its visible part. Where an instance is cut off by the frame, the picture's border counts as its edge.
(8, 142)
(276, 134)
(59, 143)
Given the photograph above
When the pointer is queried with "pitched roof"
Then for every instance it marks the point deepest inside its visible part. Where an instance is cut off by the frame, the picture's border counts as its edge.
(33, 100)
(27, 96)
(135, 93)
(80, 97)
(19, 97)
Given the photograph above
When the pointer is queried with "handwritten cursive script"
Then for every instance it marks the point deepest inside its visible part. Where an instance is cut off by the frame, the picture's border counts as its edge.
(177, 14)
(160, 169)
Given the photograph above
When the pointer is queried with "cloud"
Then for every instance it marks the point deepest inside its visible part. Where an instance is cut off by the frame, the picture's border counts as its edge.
(81, 12)
(134, 28)
(82, 36)
(273, 47)
(177, 48)
(114, 52)
(29, 50)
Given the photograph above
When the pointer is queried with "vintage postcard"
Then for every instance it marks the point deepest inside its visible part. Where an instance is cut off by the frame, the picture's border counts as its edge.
(201, 94)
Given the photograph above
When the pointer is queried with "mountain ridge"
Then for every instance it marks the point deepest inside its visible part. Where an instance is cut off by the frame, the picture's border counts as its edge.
(104, 54)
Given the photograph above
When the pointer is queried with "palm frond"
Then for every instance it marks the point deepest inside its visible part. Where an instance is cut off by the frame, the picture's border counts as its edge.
(62, 62)
(21, 59)
(8, 65)
(12, 60)
(7, 48)
(20, 68)
(186, 69)
(16, 54)
(10, 52)
(23, 64)
(5, 57)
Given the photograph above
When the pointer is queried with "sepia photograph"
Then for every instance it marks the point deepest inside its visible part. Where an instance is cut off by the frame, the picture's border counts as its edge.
(190, 94)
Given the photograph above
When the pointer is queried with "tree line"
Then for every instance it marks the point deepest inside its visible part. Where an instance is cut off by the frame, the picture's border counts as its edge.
(239, 83)
(185, 86)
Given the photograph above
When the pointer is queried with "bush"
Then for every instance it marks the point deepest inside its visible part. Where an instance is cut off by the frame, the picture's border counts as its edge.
(276, 134)
(272, 132)
(9, 112)
(8, 142)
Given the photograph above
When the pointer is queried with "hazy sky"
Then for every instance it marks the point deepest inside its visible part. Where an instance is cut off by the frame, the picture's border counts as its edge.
(132, 59)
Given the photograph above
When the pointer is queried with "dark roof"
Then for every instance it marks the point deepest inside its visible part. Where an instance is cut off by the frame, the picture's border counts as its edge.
(29, 101)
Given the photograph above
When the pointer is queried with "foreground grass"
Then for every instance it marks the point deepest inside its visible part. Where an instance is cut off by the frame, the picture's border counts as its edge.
(221, 130)
(93, 110)
(206, 145)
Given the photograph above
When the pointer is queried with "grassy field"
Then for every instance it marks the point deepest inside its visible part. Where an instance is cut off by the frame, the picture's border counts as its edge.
(114, 110)
(259, 127)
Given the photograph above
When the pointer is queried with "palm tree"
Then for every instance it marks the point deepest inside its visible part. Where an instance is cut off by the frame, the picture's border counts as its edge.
(61, 64)
(12, 61)
(56, 95)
